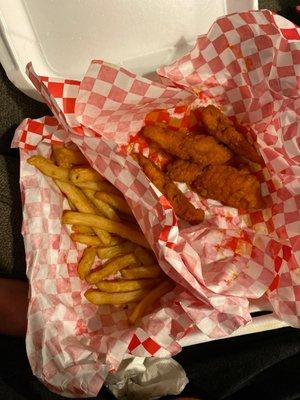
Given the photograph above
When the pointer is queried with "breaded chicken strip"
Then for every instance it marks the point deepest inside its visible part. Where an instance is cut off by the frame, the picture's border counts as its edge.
(230, 186)
(182, 207)
(201, 149)
(220, 127)
(183, 171)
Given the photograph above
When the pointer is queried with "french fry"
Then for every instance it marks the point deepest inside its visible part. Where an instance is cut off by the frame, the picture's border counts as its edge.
(114, 241)
(118, 202)
(105, 209)
(125, 285)
(152, 271)
(144, 256)
(48, 168)
(77, 197)
(149, 299)
(82, 229)
(85, 174)
(66, 157)
(86, 262)
(98, 186)
(86, 239)
(99, 298)
(91, 240)
(83, 205)
(71, 205)
(110, 267)
(115, 251)
(95, 221)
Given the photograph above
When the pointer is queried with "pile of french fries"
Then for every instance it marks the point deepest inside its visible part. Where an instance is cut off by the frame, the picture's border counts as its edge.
(101, 219)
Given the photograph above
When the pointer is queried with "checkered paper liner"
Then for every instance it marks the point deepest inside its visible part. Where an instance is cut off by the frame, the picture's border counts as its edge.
(246, 65)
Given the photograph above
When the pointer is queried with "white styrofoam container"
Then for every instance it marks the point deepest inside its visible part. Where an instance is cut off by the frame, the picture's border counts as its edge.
(62, 37)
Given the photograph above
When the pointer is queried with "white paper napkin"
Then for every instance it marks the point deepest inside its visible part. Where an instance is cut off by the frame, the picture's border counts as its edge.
(142, 378)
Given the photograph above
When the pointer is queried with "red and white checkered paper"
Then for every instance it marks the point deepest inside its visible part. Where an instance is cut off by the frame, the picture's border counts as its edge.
(246, 65)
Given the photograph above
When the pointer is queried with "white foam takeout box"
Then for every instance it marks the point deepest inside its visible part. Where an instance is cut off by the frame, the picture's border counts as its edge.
(62, 37)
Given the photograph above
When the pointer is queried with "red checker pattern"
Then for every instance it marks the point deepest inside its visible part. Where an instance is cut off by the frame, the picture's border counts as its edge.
(218, 264)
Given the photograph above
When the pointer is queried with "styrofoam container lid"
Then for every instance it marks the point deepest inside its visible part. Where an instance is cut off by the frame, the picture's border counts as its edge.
(62, 37)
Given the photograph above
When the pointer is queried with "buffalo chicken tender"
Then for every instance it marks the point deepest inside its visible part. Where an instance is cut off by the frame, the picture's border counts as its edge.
(182, 207)
(201, 149)
(219, 126)
(230, 186)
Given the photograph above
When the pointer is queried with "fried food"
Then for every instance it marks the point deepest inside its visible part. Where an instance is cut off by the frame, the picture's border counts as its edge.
(83, 205)
(85, 174)
(97, 186)
(149, 299)
(219, 126)
(66, 157)
(105, 253)
(230, 186)
(149, 271)
(102, 221)
(71, 205)
(82, 229)
(182, 207)
(111, 267)
(144, 256)
(126, 285)
(201, 149)
(88, 240)
(183, 171)
(117, 202)
(105, 209)
(92, 240)
(86, 262)
(48, 168)
(100, 298)
(95, 221)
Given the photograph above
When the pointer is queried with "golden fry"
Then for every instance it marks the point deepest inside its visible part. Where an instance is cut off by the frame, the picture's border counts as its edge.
(144, 256)
(85, 174)
(152, 271)
(118, 228)
(86, 239)
(83, 205)
(48, 168)
(82, 229)
(76, 196)
(115, 251)
(99, 298)
(98, 186)
(118, 202)
(101, 206)
(110, 267)
(66, 157)
(86, 262)
(114, 241)
(71, 205)
(148, 300)
(125, 285)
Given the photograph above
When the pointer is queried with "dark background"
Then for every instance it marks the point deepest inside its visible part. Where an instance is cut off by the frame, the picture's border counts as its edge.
(264, 365)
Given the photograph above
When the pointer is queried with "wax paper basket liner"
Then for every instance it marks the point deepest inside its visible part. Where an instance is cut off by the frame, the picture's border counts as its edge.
(251, 68)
